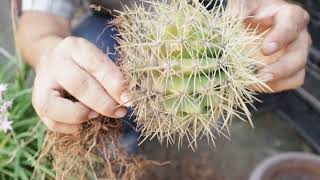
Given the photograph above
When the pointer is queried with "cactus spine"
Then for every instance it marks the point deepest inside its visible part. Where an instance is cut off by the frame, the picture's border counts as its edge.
(189, 68)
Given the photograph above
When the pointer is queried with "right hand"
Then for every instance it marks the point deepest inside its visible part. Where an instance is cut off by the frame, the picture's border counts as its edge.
(78, 68)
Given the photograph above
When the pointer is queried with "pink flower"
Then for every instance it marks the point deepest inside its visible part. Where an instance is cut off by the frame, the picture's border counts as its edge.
(5, 106)
(5, 124)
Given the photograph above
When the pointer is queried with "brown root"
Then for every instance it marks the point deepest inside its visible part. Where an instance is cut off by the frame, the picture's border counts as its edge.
(94, 153)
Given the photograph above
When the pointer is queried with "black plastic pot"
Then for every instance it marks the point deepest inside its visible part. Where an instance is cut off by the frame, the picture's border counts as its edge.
(288, 166)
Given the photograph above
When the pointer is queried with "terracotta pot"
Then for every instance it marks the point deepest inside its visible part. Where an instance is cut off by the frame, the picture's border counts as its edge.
(288, 166)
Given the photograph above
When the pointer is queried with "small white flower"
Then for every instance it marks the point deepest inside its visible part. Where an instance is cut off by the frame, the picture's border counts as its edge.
(3, 87)
(5, 106)
(5, 124)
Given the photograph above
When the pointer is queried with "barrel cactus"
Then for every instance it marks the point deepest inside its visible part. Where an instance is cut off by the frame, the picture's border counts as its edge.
(189, 68)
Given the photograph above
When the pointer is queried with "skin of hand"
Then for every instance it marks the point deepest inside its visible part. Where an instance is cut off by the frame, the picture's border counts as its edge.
(288, 33)
(67, 65)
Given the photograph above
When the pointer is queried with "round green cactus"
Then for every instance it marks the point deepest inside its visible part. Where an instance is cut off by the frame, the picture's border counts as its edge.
(189, 68)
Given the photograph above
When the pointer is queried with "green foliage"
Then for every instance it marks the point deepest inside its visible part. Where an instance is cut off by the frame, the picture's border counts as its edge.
(19, 148)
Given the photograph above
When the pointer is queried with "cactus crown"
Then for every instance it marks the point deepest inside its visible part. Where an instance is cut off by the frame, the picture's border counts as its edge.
(189, 68)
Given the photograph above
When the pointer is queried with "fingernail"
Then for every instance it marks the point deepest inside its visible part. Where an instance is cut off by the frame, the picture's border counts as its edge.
(121, 112)
(126, 99)
(93, 115)
(265, 77)
(271, 47)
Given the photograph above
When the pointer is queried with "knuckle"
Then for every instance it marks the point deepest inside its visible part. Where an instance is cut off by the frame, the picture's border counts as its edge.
(69, 40)
(79, 40)
(297, 11)
(64, 47)
(112, 80)
(306, 16)
(75, 40)
(72, 41)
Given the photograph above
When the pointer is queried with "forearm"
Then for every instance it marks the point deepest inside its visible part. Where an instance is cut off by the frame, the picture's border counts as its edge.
(39, 32)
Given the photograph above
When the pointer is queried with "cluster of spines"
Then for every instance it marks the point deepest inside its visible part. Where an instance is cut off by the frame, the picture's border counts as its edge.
(189, 68)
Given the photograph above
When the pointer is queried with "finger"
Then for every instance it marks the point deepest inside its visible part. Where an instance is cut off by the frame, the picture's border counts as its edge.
(264, 61)
(290, 63)
(102, 69)
(60, 127)
(49, 103)
(265, 14)
(86, 89)
(293, 82)
(288, 83)
(287, 22)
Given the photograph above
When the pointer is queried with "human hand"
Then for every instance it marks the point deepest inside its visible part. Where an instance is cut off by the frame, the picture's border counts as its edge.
(76, 67)
(288, 33)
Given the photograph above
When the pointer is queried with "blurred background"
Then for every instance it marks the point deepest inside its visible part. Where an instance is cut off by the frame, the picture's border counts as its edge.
(285, 122)
(6, 37)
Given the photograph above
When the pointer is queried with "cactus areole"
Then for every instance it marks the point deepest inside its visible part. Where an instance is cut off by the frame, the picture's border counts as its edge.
(189, 68)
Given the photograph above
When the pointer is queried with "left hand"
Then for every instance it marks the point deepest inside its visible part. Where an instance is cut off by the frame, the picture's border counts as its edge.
(288, 23)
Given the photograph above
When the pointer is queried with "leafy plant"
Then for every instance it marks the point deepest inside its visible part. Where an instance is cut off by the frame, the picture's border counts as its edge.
(19, 147)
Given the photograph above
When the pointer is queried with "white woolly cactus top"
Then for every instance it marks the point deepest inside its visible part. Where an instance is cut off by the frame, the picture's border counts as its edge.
(189, 68)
